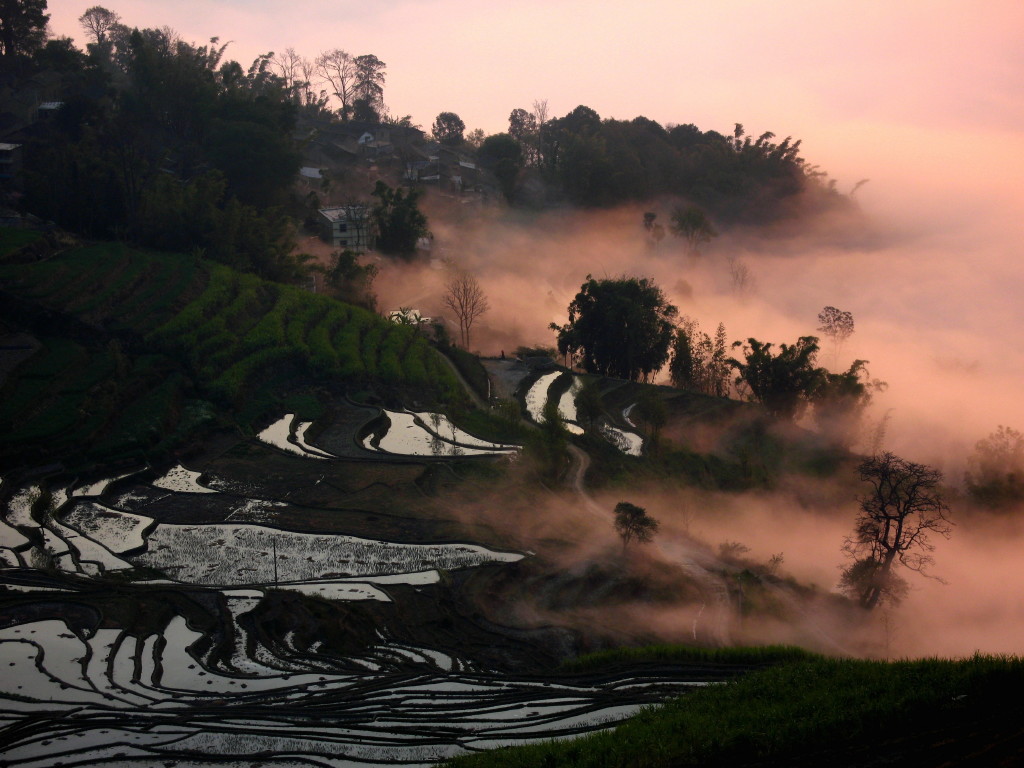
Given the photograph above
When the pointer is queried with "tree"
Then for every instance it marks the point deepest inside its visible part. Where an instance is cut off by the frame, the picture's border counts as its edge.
(399, 222)
(699, 362)
(651, 411)
(837, 325)
(995, 475)
(618, 327)
(338, 68)
(633, 522)
(448, 129)
(503, 156)
(351, 281)
(784, 383)
(903, 508)
(475, 138)
(693, 225)
(97, 21)
(466, 299)
(22, 27)
(369, 81)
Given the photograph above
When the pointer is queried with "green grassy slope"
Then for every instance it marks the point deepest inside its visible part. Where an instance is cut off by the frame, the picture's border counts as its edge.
(835, 712)
(138, 348)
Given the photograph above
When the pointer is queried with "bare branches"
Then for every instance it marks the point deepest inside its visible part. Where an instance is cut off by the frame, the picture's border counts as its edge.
(899, 514)
(338, 68)
(465, 297)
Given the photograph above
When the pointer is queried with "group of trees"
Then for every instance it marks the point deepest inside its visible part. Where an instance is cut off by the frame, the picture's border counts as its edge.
(166, 143)
(731, 178)
(625, 327)
(699, 363)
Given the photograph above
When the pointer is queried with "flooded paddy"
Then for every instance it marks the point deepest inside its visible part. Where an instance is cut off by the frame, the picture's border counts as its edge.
(181, 619)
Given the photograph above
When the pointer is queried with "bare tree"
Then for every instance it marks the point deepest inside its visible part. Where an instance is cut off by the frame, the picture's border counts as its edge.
(897, 516)
(633, 522)
(338, 68)
(465, 297)
(96, 21)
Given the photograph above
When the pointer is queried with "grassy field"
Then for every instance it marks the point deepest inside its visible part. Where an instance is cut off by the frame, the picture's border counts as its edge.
(816, 711)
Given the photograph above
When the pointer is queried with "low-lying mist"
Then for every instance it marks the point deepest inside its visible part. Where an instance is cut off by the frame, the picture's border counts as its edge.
(933, 278)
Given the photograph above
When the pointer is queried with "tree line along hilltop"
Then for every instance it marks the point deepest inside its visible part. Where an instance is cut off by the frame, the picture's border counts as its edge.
(168, 144)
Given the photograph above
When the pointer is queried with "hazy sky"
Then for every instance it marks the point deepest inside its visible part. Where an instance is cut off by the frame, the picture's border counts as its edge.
(818, 70)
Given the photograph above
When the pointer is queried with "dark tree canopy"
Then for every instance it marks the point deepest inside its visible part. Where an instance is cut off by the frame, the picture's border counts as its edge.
(737, 178)
(448, 129)
(633, 523)
(618, 327)
(898, 515)
(398, 220)
(784, 383)
(22, 27)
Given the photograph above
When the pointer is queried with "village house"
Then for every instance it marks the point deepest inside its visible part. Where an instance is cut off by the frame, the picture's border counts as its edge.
(346, 227)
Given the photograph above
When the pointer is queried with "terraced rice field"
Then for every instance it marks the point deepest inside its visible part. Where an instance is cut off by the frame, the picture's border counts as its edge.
(169, 695)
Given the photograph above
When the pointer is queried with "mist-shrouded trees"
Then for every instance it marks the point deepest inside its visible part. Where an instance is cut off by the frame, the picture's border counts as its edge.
(841, 400)
(898, 516)
(693, 226)
(464, 296)
(837, 326)
(618, 327)
(995, 470)
(503, 156)
(784, 383)
(788, 382)
(448, 129)
(398, 220)
(632, 523)
(699, 363)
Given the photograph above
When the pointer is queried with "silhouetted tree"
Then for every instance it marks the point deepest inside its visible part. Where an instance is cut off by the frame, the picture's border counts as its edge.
(784, 383)
(898, 515)
(97, 21)
(503, 156)
(369, 81)
(22, 28)
(837, 326)
(448, 129)
(621, 327)
(633, 523)
(840, 402)
(651, 411)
